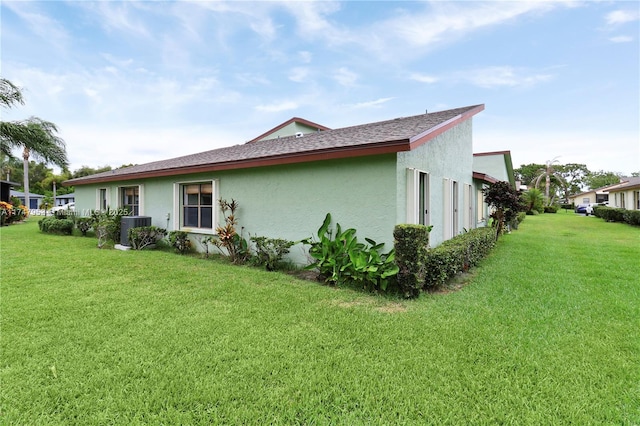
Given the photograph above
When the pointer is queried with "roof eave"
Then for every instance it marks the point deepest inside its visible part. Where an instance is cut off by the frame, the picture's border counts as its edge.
(388, 147)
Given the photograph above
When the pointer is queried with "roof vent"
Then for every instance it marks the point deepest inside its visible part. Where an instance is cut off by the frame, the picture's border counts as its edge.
(299, 135)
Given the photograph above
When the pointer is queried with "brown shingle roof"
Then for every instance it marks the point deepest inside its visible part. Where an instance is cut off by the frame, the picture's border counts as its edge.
(400, 134)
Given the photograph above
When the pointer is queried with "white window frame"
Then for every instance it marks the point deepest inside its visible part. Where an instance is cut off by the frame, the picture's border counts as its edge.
(480, 206)
(178, 211)
(107, 198)
(140, 197)
(418, 213)
(468, 206)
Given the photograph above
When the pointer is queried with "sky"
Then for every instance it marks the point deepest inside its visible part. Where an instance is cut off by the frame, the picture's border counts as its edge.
(140, 81)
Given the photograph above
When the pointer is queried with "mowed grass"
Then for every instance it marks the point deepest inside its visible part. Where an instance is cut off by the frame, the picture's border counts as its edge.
(546, 332)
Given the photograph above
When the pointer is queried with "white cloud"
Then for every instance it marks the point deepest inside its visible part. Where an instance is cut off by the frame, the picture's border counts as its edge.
(118, 16)
(621, 39)
(277, 106)
(442, 23)
(345, 77)
(45, 27)
(501, 76)
(299, 74)
(372, 104)
(423, 78)
(618, 17)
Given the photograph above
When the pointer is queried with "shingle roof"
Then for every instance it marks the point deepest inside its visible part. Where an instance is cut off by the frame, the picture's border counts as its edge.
(400, 134)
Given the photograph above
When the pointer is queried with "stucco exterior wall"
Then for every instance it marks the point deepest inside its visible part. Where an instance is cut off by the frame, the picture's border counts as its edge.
(288, 201)
(290, 130)
(450, 156)
(492, 165)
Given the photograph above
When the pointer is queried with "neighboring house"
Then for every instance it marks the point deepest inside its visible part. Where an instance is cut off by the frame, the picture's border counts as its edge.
(34, 199)
(63, 199)
(594, 196)
(488, 168)
(5, 190)
(625, 195)
(370, 177)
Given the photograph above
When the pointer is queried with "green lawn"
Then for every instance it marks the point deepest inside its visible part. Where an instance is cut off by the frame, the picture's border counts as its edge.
(547, 332)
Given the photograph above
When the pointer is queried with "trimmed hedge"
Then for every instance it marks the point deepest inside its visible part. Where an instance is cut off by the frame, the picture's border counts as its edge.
(609, 214)
(51, 225)
(457, 255)
(411, 244)
(632, 217)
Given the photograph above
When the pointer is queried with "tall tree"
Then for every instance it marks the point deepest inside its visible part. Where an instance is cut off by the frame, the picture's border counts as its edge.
(574, 176)
(527, 173)
(34, 136)
(601, 178)
(547, 172)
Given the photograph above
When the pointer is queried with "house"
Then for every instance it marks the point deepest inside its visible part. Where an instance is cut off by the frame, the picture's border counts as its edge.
(416, 169)
(593, 196)
(64, 199)
(34, 199)
(488, 168)
(625, 195)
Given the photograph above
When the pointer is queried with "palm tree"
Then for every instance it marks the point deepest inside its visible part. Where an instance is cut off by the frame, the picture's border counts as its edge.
(547, 172)
(34, 136)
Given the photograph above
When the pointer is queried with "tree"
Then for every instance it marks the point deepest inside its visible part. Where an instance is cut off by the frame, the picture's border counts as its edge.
(533, 200)
(527, 173)
(599, 179)
(34, 136)
(506, 202)
(547, 172)
(573, 176)
(87, 171)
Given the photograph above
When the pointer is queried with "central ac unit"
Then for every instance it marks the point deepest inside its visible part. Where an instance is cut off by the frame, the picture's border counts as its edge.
(128, 222)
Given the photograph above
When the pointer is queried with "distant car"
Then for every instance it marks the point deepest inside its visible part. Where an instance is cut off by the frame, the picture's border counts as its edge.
(581, 208)
(64, 207)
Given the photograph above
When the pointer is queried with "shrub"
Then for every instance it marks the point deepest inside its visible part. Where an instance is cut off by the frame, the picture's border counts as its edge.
(51, 225)
(107, 224)
(235, 246)
(270, 251)
(632, 217)
(10, 213)
(341, 259)
(551, 209)
(180, 241)
(145, 236)
(411, 243)
(84, 224)
(457, 255)
(609, 214)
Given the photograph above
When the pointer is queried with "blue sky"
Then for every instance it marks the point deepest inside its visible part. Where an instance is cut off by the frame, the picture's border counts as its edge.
(133, 82)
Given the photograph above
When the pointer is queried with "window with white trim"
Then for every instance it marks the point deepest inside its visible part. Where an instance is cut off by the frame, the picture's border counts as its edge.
(480, 207)
(418, 197)
(130, 199)
(102, 199)
(196, 205)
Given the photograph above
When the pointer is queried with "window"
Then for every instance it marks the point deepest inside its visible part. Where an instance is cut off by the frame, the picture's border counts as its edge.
(450, 208)
(197, 205)
(130, 199)
(480, 206)
(636, 200)
(468, 206)
(418, 197)
(103, 200)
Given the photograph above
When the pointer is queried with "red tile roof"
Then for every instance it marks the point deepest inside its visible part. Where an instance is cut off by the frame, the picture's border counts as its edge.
(400, 134)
